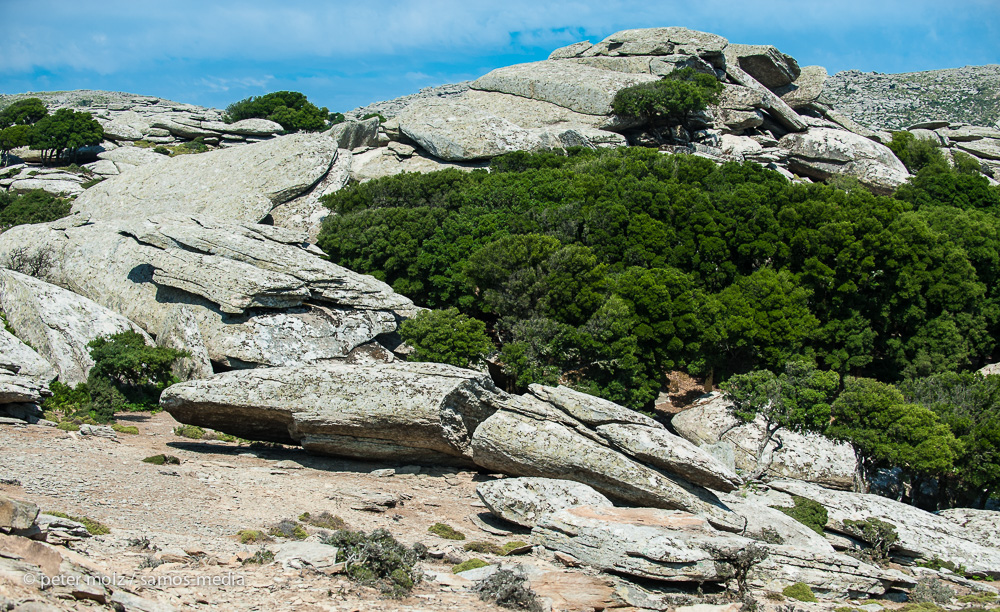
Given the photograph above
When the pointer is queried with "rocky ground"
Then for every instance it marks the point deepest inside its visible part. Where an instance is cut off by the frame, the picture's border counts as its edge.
(897, 101)
(191, 512)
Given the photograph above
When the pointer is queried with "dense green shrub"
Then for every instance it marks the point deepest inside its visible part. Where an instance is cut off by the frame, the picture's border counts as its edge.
(471, 564)
(289, 108)
(23, 112)
(65, 131)
(446, 336)
(35, 206)
(605, 269)
(127, 375)
(915, 153)
(672, 98)
(446, 531)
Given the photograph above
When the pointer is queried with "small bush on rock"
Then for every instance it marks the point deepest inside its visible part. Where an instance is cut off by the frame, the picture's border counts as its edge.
(189, 431)
(509, 589)
(879, 535)
(323, 520)
(288, 529)
(252, 536)
(261, 557)
(510, 547)
(125, 429)
(471, 564)
(931, 590)
(162, 460)
(445, 531)
(810, 513)
(483, 547)
(672, 98)
(93, 527)
(376, 559)
(799, 591)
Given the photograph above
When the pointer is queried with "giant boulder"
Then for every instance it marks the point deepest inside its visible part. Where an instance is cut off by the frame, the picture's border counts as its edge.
(822, 153)
(18, 357)
(397, 411)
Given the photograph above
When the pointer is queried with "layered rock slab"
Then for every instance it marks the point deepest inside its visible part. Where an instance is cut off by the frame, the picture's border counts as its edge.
(269, 299)
(238, 184)
(672, 546)
(529, 437)
(399, 411)
(58, 323)
(922, 535)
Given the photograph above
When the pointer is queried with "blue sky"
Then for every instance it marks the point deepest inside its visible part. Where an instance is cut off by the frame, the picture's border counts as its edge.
(346, 54)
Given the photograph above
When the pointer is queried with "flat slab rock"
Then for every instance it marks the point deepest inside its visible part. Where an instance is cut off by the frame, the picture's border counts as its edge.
(238, 184)
(526, 501)
(577, 87)
(397, 411)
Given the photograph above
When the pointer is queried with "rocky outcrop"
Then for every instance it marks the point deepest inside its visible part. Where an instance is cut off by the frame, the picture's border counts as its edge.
(240, 184)
(19, 358)
(258, 294)
(58, 323)
(529, 437)
(770, 67)
(403, 411)
(922, 535)
(16, 389)
(809, 457)
(897, 101)
(823, 153)
(671, 546)
(574, 86)
(526, 501)
(982, 526)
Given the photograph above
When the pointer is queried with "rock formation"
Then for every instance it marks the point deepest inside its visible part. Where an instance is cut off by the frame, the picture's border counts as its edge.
(254, 294)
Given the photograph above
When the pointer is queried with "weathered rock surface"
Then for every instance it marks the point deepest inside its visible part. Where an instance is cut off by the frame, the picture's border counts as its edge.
(403, 411)
(806, 89)
(982, 526)
(18, 357)
(922, 535)
(327, 311)
(454, 131)
(239, 184)
(57, 322)
(822, 153)
(674, 546)
(808, 457)
(526, 501)
(764, 521)
(16, 514)
(529, 437)
(133, 156)
(662, 41)
(770, 67)
(15, 389)
(645, 542)
(579, 88)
